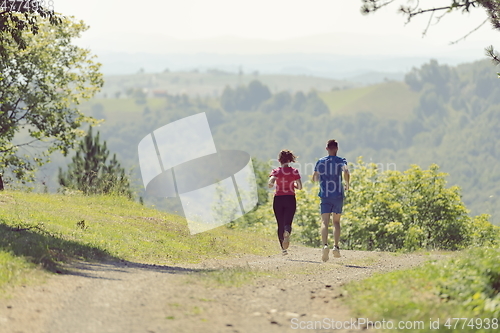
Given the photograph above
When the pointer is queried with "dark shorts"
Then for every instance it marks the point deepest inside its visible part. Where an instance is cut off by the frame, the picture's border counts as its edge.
(332, 205)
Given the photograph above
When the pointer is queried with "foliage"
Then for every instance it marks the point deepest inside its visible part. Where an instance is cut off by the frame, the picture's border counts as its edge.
(307, 220)
(409, 210)
(260, 220)
(19, 16)
(244, 98)
(261, 176)
(472, 281)
(92, 173)
(41, 86)
(389, 211)
(257, 96)
(466, 285)
(394, 210)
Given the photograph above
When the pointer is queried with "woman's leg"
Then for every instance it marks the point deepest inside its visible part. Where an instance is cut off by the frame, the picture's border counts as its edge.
(289, 207)
(289, 212)
(279, 210)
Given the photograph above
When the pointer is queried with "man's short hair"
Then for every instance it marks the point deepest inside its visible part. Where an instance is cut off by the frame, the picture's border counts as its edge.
(332, 144)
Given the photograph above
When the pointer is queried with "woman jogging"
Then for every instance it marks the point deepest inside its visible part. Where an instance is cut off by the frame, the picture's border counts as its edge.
(286, 179)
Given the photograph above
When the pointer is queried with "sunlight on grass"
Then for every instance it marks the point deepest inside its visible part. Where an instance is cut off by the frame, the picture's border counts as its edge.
(48, 229)
(230, 276)
(380, 99)
(464, 286)
(15, 271)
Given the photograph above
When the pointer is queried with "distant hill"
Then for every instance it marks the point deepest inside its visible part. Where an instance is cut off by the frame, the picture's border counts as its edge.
(391, 100)
(210, 83)
(361, 69)
(440, 114)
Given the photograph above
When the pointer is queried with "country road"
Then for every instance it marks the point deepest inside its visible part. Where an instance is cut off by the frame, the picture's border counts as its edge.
(283, 294)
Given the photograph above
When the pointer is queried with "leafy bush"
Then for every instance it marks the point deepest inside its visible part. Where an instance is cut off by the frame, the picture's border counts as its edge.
(389, 211)
(409, 210)
(307, 220)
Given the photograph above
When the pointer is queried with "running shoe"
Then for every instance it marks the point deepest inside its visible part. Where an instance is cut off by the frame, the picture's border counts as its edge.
(336, 251)
(285, 252)
(286, 240)
(325, 253)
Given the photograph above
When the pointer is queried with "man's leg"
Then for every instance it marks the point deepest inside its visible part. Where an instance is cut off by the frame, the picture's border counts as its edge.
(336, 235)
(336, 228)
(325, 217)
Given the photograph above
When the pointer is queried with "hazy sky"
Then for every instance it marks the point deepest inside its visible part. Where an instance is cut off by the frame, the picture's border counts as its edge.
(126, 25)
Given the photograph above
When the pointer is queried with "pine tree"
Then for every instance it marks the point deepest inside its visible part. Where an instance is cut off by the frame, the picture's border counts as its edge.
(90, 173)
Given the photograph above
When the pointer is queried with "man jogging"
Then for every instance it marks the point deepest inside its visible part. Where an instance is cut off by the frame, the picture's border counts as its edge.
(328, 171)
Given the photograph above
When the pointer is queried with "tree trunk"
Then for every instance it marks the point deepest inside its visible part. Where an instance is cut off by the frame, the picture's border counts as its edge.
(1, 183)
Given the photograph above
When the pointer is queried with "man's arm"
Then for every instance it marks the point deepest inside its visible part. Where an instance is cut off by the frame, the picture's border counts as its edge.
(315, 177)
(347, 177)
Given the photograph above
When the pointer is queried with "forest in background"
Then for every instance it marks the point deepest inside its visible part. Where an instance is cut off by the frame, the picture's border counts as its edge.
(440, 114)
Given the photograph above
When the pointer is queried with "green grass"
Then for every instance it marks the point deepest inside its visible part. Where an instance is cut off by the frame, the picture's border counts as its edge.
(212, 84)
(124, 105)
(16, 271)
(465, 286)
(391, 100)
(230, 276)
(46, 230)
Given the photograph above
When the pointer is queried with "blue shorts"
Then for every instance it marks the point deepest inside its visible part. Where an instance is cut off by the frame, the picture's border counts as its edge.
(332, 205)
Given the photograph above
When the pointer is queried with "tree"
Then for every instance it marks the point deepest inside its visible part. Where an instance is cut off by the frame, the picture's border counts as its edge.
(43, 78)
(12, 24)
(492, 8)
(245, 98)
(91, 173)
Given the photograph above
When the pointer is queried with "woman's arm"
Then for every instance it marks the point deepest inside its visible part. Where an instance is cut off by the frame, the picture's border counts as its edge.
(271, 181)
(298, 184)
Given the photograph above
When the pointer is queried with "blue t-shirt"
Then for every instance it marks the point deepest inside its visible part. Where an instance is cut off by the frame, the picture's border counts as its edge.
(330, 176)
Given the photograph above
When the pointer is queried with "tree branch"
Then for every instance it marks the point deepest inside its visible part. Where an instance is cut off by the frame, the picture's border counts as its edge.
(428, 24)
(495, 56)
(372, 5)
(469, 33)
(493, 10)
(411, 12)
(26, 143)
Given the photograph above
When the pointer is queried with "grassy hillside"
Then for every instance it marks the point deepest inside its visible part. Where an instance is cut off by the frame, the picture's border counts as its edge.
(212, 83)
(459, 294)
(46, 230)
(391, 100)
(126, 105)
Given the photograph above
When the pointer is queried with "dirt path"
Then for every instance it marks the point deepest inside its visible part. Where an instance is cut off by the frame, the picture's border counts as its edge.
(128, 297)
